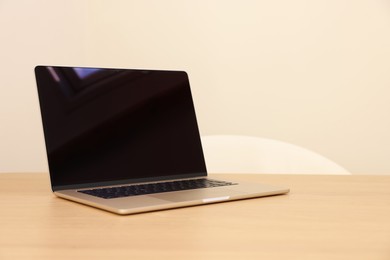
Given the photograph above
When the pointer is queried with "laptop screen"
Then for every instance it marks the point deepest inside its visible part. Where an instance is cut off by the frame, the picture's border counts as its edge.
(113, 125)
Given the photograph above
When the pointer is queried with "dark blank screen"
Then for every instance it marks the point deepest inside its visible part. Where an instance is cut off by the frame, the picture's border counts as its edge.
(104, 125)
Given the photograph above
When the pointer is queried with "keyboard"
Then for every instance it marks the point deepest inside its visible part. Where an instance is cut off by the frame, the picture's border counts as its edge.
(152, 188)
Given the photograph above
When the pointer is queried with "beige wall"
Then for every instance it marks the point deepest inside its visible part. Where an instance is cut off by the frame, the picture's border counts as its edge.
(314, 73)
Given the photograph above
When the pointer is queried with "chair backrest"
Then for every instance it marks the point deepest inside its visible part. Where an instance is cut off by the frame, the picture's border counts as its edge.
(248, 154)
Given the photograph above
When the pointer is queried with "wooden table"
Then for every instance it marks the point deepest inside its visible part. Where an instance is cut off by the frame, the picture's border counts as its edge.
(324, 217)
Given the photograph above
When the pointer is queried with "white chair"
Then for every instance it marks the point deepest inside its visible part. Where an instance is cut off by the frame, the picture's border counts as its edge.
(247, 154)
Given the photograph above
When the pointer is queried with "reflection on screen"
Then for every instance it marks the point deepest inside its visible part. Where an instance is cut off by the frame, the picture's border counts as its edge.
(108, 124)
(83, 73)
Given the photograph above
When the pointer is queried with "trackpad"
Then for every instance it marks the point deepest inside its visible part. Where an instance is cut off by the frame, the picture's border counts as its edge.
(202, 194)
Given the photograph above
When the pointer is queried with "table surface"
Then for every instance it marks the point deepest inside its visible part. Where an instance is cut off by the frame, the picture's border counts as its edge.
(323, 217)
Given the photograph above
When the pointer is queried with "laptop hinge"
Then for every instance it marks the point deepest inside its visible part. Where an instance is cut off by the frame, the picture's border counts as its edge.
(127, 181)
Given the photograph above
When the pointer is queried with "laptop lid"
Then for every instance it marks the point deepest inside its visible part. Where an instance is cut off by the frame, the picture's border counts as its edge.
(110, 126)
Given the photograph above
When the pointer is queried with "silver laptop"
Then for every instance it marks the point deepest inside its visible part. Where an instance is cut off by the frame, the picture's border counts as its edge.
(127, 141)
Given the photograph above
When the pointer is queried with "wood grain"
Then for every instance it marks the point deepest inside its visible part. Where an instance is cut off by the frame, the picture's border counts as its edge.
(324, 217)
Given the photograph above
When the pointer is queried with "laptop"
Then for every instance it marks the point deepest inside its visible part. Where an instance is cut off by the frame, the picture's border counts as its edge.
(127, 141)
